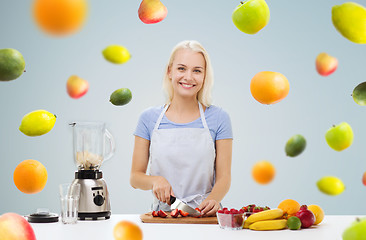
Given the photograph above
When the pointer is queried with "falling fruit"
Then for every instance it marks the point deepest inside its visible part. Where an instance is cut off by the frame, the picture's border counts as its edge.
(60, 17)
(359, 94)
(126, 230)
(350, 20)
(30, 176)
(269, 87)
(364, 178)
(116, 54)
(152, 11)
(326, 64)
(11, 64)
(76, 87)
(330, 185)
(339, 137)
(263, 172)
(356, 231)
(295, 145)
(121, 97)
(251, 16)
(37, 123)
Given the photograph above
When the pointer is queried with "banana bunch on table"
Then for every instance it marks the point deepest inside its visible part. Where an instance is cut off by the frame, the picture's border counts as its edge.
(266, 220)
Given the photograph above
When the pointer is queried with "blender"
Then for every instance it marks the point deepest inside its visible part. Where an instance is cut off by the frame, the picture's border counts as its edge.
(93, 145)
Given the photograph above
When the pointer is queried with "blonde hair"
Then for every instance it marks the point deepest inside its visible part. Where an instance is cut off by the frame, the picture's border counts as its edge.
(204, 95)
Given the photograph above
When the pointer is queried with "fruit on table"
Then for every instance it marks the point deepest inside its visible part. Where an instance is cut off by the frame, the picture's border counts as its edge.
(252, 208)
(162, 214)
(30, 176)
(289, 207)
(126, 230)
(121, 97)
(276, 224)
(318, 213)
(306, 217)
(326, 64)
(60, 17)
(174, 213)
(152, 11)
(263, 172)
(269, 87)
(330, 185)
(293, 223)
(295, 145)
(339, 137)
(251, 16)
(232, 218)
(116, 54)
(37, 123)
(356, 231)
(359, 94)
(11, 64)
(350, 20)
(76, 87)
(155, 213)
(265, 215)
(183, 213)
(13, 227)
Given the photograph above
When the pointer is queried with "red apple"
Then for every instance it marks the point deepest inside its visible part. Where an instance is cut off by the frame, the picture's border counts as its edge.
(152, 11)
(364, 178)
(15, 227)
(326, 64)
(76, 87)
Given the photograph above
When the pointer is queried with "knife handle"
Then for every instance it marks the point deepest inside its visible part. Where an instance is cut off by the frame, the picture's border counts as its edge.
(172, 199)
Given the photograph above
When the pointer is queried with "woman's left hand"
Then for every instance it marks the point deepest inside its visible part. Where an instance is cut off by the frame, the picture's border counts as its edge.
(209, 207)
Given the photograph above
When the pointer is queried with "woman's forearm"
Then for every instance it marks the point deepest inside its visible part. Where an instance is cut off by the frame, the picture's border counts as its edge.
(220, 189)
(142, 181)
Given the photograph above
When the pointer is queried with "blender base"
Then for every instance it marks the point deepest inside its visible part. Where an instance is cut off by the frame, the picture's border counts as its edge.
(94, 216)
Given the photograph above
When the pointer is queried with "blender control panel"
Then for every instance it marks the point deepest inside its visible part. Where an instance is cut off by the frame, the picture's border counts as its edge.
(98, 196)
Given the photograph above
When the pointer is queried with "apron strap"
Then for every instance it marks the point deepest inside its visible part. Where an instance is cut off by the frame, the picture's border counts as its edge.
(203, 118)
(161, 117)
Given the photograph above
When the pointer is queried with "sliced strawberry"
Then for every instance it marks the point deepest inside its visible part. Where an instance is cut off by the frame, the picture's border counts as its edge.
(183, 213)
(155, 214)
(174, 213)
(162, 214)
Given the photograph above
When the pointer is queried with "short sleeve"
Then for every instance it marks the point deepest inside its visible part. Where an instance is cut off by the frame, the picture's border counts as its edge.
(142, 129)
(224, 130)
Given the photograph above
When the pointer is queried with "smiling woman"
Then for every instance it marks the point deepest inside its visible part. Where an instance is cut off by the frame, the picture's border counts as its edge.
(187, 143)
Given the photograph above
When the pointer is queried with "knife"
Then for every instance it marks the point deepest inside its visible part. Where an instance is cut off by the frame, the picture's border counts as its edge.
(178, 204)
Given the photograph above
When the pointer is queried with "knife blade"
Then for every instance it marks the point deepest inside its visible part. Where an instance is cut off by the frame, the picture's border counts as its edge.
(180, 205)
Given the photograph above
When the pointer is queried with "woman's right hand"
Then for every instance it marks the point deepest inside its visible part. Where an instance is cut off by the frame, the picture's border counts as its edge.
(162, 189)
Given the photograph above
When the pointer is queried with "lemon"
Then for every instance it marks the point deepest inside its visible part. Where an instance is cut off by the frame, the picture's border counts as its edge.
(350, 20)
(121, 97)
(330, 185)
(116, 54)
(295, 145)
(37, 123)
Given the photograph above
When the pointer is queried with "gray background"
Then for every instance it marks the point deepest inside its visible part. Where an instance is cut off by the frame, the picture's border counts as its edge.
(297, 32)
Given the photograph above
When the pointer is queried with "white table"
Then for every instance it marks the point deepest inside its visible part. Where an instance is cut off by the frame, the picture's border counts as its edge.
(331, 228)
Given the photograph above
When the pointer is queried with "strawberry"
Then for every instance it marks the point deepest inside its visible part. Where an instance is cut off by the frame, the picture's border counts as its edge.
(155, 214)
(174, 213)
(183, 213)
(162, 214)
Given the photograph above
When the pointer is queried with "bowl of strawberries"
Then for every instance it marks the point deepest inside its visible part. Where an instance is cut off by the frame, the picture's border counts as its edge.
(232, 219)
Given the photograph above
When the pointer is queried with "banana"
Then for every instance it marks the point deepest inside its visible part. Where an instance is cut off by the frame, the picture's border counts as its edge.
(264, 215)
(265, 225)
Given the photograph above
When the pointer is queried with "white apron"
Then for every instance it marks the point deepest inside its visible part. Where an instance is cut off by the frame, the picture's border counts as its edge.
(186, 158)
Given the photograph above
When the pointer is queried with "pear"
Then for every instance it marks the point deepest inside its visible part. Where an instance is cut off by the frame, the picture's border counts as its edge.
(152, 11)
(350, 20)
(76, 87)
(11, 64)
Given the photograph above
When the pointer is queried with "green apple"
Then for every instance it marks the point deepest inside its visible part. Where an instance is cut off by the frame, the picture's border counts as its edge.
(357, 230)
(251, 16)
(339, 137)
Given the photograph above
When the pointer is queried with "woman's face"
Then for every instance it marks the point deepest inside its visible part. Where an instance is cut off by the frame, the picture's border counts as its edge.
(187, 73)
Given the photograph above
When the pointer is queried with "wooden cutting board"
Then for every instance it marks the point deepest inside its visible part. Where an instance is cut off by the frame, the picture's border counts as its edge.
(148, 218)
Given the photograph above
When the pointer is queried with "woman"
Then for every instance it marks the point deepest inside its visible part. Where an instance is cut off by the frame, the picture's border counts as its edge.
(187, 143)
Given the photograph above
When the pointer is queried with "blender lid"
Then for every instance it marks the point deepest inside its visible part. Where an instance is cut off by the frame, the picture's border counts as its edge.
(42, 216)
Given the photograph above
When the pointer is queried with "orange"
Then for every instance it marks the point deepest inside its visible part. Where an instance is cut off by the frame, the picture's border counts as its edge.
(269, 87)
(318, 213)
(60, 17)
(290, 207)
(30, 176)
(263, 172)
(126, 230)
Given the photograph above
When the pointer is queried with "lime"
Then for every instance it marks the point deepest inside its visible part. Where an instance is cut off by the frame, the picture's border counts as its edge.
(295, 145)
(350, 20)
(293, 223)
(116, 54)
(37, 123)
(121, 97)
(330, 185)
(359, 94)
(11, 64)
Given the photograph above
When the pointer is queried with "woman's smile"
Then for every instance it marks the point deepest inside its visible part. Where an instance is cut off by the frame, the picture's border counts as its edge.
(186, 85)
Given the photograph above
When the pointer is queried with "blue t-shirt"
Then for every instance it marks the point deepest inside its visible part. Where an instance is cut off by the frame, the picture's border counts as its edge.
(218, 121)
